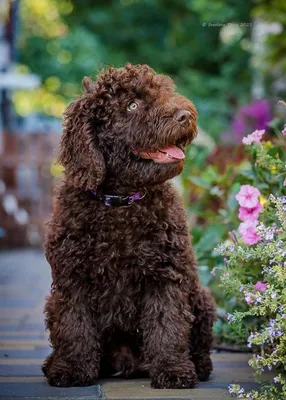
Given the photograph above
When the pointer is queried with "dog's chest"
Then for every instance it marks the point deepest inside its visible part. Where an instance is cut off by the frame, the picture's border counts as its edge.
(118, 296)
(131, 240)
(127, 251)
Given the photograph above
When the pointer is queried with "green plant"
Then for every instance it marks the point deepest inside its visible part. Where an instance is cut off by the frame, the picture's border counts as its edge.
(254, 268)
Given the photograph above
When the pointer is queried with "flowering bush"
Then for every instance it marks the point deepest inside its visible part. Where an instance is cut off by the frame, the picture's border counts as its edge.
(255, 263)
(210, 181)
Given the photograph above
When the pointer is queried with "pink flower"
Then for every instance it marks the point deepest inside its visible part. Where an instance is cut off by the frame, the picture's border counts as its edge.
(249, 214)
(248, 232)
(255, 136)
(284, 183)
(248, 196)
(284, 131)
(260, 286)
(244, 226)
(248, 298)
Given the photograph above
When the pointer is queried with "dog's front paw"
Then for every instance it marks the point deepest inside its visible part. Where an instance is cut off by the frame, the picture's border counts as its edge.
(62, 374)
(175, 378)
(204, 367)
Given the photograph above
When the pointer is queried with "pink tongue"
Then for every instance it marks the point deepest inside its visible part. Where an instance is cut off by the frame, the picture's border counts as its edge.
(174, 152)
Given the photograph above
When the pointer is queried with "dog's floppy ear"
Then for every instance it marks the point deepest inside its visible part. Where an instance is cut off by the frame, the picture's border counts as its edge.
(79, 153)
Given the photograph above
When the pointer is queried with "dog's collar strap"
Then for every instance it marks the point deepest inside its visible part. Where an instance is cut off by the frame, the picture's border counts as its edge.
(112, 200)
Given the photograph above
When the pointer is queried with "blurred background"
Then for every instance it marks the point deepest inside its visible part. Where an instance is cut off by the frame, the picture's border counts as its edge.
(227, 56)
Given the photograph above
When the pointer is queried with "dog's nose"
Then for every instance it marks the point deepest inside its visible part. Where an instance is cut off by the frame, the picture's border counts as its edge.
(182, 116)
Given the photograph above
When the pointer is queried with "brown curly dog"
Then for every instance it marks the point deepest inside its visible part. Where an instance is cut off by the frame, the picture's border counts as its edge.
(126, 297)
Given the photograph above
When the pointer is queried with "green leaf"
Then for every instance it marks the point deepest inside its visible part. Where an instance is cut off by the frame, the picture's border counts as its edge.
(200, 182)
(204, 274)
(212, 236)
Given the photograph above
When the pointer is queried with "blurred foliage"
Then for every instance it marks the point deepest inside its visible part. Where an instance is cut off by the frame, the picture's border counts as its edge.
(63, 41)
(210, 64)
(274, 12)
(69, 39)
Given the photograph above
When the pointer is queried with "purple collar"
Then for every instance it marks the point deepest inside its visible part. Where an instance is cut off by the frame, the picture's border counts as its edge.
(112, 200)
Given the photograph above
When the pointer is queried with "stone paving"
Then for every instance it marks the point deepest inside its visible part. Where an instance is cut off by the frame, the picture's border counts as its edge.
(24, 283)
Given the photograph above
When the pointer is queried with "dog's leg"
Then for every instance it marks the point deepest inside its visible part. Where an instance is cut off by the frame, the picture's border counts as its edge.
(201, 338)
(166, 321)
(76, 347)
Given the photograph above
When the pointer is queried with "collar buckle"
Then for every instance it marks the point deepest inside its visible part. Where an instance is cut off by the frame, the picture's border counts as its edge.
(111, 200)
(115, 201)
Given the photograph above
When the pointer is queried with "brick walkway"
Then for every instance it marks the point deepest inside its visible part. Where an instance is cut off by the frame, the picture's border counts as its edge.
(24, 283)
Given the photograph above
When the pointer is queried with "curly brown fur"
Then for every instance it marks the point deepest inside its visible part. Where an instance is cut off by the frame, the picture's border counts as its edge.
(125, 296)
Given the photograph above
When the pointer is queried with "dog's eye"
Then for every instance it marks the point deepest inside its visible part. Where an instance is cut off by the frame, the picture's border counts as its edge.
(132, 106)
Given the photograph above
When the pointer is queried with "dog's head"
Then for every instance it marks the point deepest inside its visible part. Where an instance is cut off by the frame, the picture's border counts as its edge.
(129, 129)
